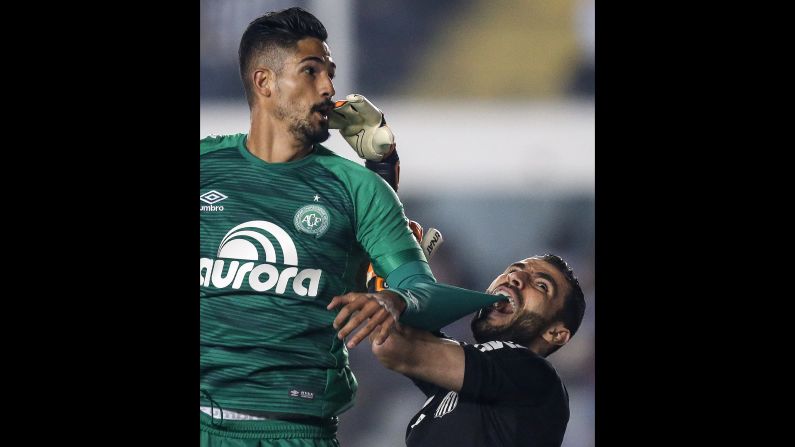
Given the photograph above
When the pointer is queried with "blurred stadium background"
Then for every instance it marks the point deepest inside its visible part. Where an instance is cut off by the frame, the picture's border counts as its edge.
(492, 105)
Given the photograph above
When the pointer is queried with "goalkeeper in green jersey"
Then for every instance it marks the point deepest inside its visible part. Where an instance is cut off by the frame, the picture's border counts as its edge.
(287, 230)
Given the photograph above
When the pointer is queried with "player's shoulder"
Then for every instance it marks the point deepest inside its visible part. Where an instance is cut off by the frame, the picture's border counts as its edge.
(213, 143)
(331, 158)
(503, 346)
(513, 351)
(356, 172)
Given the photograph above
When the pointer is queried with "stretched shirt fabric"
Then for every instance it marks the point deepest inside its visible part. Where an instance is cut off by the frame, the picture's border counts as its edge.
(510, 397)
(278, 241)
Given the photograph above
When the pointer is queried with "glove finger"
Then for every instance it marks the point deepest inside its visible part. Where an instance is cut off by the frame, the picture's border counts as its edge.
(369, 113)
(336, 121)
(345, 117)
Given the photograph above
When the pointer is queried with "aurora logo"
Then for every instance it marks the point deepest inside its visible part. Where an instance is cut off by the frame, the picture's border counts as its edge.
(246, 242)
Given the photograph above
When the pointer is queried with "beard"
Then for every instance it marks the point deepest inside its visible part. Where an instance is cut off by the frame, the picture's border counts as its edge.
(304, 131)
(526, 327)
(300, 125)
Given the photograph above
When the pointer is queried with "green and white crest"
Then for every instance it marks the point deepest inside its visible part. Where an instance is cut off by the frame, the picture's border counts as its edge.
(312, 219)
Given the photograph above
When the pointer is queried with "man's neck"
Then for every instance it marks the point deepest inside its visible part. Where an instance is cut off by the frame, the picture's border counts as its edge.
(271, 141)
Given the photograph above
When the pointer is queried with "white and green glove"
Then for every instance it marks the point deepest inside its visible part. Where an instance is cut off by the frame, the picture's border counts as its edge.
(363, 126)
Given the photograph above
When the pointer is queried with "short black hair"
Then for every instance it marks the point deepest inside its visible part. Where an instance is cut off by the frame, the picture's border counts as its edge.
(272, 32)
(573, 309)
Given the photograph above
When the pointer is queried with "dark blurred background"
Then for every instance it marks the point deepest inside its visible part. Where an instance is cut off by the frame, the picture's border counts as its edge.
(492, 106)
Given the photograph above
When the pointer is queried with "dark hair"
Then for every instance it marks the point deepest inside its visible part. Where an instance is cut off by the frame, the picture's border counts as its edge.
(272, 32)
(573, 303)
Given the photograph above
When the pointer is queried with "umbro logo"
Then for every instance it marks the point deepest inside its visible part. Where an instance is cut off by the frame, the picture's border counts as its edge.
(212, 197)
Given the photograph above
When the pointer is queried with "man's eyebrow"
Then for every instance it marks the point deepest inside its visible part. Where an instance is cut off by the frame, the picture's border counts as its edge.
(548, 277)
(316, 59)
(542, 275)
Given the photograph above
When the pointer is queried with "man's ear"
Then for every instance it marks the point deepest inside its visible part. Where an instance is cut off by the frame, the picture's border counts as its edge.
(264, 81)
(557, 334)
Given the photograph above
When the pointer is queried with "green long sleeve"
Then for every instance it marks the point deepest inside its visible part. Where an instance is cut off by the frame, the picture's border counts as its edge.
(431, 305)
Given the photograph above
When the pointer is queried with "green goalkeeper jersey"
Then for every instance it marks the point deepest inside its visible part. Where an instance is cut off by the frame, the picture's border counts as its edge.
(278, 241)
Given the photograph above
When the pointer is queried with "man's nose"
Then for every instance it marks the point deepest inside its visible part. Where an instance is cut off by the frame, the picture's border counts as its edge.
(327, 88)
(516, 280)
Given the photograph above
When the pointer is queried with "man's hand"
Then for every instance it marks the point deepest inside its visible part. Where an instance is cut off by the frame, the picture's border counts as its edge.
(377, 309)
(363, 126)
(394, 350)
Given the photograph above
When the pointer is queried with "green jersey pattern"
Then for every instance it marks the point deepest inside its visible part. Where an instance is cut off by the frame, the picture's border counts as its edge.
(278, 241)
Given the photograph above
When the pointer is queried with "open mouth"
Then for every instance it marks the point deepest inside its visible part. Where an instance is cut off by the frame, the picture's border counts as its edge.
(323, 115)
(324, 111)
(506, 306)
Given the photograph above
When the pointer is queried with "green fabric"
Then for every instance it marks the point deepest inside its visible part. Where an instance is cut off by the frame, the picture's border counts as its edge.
(404, 261)
(431, 305)
(381, 227)
(266, 274)
(269, 433)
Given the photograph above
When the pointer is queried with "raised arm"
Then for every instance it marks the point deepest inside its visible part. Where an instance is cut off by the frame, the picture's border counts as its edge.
(423, 356)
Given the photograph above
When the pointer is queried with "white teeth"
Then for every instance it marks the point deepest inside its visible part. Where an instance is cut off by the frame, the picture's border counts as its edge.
(511, 299)
(501, 293)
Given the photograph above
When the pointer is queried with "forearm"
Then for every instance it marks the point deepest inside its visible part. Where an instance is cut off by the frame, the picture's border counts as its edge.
(430, 359)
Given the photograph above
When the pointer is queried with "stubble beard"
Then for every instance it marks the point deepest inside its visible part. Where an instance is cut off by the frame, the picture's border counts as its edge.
(523, 330)
(300, 126)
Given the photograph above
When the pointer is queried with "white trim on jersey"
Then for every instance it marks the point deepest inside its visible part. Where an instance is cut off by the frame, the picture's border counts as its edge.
(230, 415)
(447, 405)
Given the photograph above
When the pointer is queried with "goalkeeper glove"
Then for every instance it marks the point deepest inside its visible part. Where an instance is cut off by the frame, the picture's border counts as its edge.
(363, 126)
